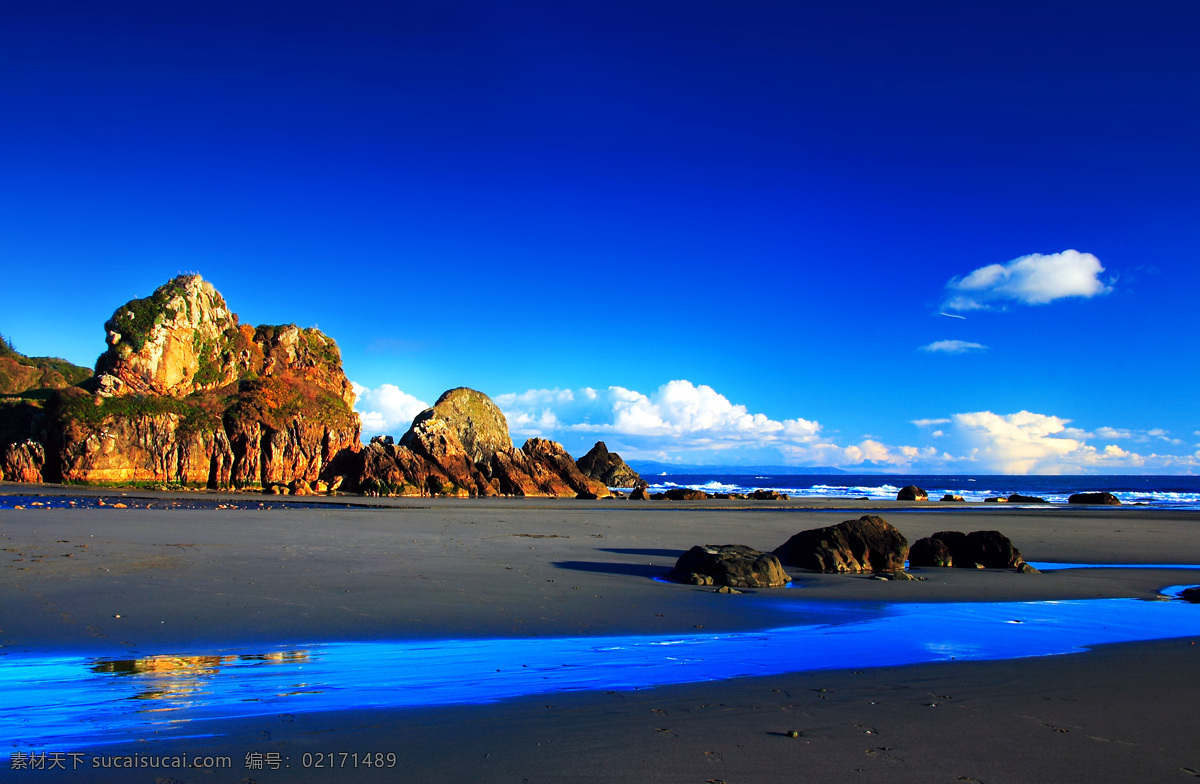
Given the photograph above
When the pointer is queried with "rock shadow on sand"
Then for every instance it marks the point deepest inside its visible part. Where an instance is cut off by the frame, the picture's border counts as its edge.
(649, 551)
(648, 571)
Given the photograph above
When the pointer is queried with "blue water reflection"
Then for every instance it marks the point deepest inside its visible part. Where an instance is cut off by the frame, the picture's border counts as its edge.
(71, 702)
(1052, 566)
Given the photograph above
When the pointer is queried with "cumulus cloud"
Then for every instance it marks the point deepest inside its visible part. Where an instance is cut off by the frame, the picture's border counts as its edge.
(953, 347)
(1035, 279)
(386, 410)
(681, 418)
(1030, 443)
(1021, 443)
(677, 409)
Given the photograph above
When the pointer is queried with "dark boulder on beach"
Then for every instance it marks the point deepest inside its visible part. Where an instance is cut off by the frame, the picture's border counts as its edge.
(953, 497)
(912, 493)
(929, 552)
(732, 565)
(685, 494)
(641, 493)
(1191, 594)
(1098, 499)
(869, 543)
(1017, 498)
(607, 467)
(993, 550)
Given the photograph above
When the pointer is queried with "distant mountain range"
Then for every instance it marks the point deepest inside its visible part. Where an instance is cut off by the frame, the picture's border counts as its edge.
(650, 468)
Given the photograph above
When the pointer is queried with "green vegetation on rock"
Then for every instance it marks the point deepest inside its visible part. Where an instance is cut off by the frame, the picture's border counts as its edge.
(136, 318)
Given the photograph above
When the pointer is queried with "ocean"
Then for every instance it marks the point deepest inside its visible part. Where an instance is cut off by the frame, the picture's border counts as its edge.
(1166, 492)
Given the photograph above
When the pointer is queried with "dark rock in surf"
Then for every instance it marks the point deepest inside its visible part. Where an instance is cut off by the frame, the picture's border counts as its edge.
(685, 494)
(607, 467)
(768, 495)
(1096, 499)
(912, 493)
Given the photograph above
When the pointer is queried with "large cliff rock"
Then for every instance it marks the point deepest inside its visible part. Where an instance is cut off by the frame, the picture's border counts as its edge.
(184, 394)
(607, 467)
(477, 421)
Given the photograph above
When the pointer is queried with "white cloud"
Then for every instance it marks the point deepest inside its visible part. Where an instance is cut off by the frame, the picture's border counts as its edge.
(1035, 279)
(1029, 443)
(386, 410)
(1021, 443)
(685, 419)
(677, 409)
(954, 346)
(930, 422)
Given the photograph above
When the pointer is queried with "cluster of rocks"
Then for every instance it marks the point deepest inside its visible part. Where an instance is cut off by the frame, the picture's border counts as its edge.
(868, 544)
(976, 550)
(642, 493)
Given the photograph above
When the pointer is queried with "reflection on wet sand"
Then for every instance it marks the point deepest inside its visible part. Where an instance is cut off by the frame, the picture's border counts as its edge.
(177, 680)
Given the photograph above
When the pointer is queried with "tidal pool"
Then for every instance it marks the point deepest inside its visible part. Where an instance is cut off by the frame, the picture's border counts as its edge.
(60, 702)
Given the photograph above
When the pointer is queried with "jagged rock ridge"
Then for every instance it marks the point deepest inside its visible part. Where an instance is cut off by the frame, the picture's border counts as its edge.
(433, 457)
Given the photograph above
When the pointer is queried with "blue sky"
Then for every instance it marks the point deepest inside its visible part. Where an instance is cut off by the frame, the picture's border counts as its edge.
(705, 232)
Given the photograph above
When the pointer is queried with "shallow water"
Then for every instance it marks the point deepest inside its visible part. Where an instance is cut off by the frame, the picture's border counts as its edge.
(59, 702)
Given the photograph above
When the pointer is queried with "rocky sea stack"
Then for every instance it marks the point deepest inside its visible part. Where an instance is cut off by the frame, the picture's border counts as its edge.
(461, 446)
(186, 395)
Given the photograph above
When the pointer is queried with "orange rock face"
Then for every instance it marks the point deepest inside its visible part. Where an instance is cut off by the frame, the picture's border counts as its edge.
(185, 394)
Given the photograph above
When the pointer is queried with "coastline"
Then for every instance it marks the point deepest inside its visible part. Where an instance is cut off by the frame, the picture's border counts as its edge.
(204, 580)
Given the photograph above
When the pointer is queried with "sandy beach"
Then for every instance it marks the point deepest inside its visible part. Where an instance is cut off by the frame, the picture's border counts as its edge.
(132, 584)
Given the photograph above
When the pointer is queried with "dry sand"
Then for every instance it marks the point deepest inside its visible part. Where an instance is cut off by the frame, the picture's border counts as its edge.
(196, 581)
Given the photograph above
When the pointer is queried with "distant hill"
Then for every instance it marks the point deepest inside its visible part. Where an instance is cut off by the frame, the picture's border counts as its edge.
(22, 375)
(648, 468)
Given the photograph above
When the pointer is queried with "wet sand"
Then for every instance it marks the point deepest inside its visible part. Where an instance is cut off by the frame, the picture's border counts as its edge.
(202, 580)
